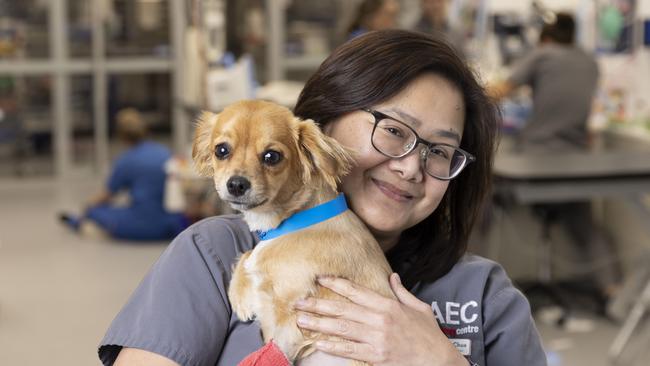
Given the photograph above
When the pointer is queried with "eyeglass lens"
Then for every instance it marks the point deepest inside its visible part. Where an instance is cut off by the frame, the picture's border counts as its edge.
(395, 139)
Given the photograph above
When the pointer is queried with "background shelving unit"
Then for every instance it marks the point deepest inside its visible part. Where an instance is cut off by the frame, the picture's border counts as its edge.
(303, 33)
(94, 60)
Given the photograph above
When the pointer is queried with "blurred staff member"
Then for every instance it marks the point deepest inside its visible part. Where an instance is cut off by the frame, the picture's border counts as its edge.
(374, 15)
(563, 79)
(434, 19)
(139, 171)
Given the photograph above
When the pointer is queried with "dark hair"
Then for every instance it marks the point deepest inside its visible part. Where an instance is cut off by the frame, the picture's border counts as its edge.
(561, 30)
(366, 10)
(373, 68)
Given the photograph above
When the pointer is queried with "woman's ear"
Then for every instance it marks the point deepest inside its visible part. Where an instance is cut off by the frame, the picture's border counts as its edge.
(202, 148)
(321, 154)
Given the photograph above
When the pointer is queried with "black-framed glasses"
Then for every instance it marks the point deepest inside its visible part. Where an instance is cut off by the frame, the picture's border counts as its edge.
(396, 139)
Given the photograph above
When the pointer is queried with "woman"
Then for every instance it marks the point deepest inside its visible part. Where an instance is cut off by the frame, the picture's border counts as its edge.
(374, 15)
(452, 308)
(434, 19)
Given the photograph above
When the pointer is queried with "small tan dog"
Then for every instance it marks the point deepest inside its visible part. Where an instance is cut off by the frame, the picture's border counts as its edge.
(270, 165)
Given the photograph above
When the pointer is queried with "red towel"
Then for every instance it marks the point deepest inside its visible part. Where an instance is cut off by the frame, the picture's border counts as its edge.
(269, 355)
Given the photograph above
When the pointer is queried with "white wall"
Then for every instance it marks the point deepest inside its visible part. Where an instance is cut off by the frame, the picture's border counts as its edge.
(643, 9)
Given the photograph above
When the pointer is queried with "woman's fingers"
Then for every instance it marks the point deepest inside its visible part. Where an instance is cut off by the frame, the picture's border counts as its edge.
(351, 350)
(331, 308)
(337, 309)
(344, 328)
(405, 297)
(374, 328)
(355, 293)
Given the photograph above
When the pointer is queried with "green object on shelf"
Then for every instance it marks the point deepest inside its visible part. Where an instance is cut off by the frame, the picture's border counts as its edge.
(611, 22)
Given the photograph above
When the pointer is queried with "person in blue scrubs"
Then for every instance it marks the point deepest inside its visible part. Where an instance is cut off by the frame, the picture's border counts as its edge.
(139, 171)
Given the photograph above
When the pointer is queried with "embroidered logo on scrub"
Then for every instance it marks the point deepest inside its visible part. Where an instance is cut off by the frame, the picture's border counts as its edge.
(456, 313)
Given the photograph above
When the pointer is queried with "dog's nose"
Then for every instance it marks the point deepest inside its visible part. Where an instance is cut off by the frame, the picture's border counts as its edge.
(237, 185)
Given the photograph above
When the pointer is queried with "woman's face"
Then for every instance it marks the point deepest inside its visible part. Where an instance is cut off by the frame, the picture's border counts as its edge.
(392, 194)
(434, 9)
(385, 17)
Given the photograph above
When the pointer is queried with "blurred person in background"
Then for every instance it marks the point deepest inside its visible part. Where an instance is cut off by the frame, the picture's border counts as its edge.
(374, 15)
(563, 79)
(140, 171)
(434, 19)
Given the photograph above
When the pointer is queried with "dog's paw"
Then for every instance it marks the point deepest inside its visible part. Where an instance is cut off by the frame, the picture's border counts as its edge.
(244, 313)
(241, 305)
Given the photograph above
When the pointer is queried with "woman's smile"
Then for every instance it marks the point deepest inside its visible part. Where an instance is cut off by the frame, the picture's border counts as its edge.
(392, 192)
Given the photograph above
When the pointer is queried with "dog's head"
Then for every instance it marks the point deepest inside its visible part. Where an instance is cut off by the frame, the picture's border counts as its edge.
(262, 157)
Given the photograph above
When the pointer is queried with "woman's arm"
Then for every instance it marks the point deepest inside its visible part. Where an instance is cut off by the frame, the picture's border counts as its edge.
(180, 310)
(377, 329)
(140, 357)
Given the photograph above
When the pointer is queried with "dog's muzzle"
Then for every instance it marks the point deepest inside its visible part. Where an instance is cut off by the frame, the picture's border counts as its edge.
(238, 185)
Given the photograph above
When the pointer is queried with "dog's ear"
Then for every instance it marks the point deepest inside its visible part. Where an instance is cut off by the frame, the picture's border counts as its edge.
(202, 148)
(321, 154)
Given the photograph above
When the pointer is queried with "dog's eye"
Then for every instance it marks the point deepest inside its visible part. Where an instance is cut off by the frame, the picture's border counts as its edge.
(271, 157)
(222, 151)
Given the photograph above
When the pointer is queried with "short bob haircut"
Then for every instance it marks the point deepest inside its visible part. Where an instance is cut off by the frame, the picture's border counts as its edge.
(373, 68)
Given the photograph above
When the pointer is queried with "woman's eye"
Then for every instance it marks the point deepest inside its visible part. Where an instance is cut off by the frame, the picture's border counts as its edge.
(394, 131)
(271, 157)
(439, 152)
(222, 151)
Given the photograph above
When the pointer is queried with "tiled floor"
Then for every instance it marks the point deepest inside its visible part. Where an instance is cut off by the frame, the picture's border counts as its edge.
(59, 292)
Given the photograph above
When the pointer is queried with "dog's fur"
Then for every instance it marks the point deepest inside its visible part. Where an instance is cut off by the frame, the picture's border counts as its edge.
(270, 278)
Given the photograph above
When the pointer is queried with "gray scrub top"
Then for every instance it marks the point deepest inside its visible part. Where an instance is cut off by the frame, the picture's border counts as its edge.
(181, 311)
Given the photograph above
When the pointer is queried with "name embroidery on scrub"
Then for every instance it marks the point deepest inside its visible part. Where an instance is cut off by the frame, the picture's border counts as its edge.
(464, 346)
(455, 320)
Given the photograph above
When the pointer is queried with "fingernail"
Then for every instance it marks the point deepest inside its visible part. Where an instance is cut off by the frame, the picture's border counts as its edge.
(399, 281)
(300, 303)
(324, 279)
(323, 345)
(303, 319)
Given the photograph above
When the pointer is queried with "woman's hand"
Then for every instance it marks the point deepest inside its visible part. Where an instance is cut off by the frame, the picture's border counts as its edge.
(376, 329)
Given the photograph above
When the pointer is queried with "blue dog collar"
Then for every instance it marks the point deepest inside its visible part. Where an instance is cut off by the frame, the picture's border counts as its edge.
(306, 218)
